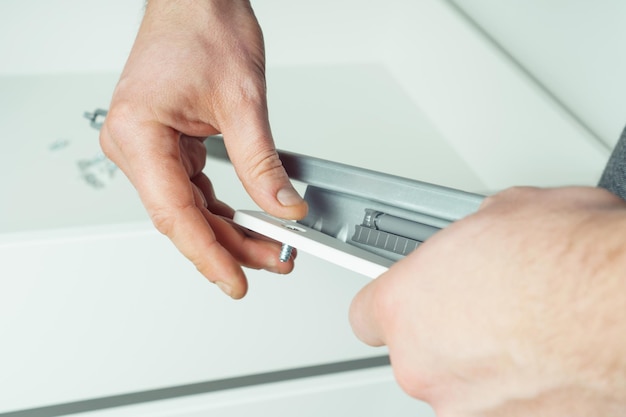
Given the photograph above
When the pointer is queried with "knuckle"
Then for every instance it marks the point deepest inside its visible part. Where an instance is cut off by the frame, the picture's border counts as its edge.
(252, 89)
(518, 191)
(169, 219)
(163, 221)
(385, 302)
(488, 201)
(509, 194)
(263, 163)
(419, 384)
(408, 384)
(193, 154)
(203, 264)
(247, 91)
(385, 305)
(116, 126)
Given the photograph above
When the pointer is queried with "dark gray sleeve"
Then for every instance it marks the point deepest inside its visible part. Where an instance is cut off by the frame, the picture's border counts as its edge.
(614, 175)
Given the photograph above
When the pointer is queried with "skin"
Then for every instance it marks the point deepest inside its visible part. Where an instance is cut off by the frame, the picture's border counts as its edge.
(197, 69)
(516, 310)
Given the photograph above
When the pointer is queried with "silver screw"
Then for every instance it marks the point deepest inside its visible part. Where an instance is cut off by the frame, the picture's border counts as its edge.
(96, 118)
(285, 253)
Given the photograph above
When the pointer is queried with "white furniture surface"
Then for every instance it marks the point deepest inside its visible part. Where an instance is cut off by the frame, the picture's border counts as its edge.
(574, 49)
(94, 303)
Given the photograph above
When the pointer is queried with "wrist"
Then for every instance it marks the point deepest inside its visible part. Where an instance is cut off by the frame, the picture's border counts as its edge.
(583, 330)
(598, 358)
(192, 7)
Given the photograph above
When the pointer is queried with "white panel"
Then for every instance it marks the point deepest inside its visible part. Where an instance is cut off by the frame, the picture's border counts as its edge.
(117, 310)
(506, 128)
(361, 393)
(575, 48)
(39, 36)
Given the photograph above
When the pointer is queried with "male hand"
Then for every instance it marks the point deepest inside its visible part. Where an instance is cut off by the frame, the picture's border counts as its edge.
(516, 310)
(197, 69)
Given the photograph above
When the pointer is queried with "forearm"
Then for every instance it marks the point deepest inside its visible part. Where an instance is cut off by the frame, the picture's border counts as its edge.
(568, 338)
(195, 8)
(595, 351)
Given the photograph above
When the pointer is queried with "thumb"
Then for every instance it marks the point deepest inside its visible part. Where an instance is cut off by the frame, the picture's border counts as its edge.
(365, 312)
(251, 149)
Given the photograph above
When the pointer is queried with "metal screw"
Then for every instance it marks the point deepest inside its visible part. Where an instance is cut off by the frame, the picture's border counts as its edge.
(96, 118)
(285, 253)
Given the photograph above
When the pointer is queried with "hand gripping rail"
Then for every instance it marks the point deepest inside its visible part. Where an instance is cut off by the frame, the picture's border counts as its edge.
(360, 219)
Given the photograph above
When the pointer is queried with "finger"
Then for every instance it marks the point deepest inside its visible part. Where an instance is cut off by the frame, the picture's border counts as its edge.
(198, 197)
(226, 213)
(152, 161)
(248, 251)
(365, 314)
(214, 205)
(251, 149)
(193, 154)
(259, 236)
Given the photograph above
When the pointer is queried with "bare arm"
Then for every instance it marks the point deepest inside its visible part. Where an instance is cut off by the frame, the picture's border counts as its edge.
(517, 310)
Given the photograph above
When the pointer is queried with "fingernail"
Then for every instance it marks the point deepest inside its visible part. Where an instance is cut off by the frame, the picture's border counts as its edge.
(289, 197)
(226, 289)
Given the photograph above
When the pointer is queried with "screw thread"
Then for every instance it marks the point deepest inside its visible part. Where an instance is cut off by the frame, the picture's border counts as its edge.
(285, 253)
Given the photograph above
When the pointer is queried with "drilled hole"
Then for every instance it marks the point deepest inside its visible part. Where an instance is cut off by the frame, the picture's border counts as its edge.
(294, 228)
